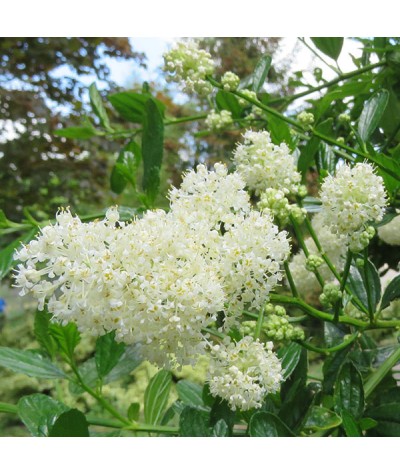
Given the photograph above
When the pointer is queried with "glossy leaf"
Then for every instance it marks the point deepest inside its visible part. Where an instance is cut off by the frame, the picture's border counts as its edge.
(391, 293)
(290, 357)
(331, 46)
(190, 393)
(7, 261)
(66, 337)
(221, 410)
(39, 412)
(372, 113)
(152, 149)
(31, 363)
(266, 424)
(156, 396)
(227, 101)
(349, 391)
(332, 367)
(350, 425)
(194, 423)
(358, 278)
(321, 418)
(72, 423)
(387, 417)
(108, 353)
(126, 167)
(97, 106)
(260, 72)
(41, 330)
(220, 429)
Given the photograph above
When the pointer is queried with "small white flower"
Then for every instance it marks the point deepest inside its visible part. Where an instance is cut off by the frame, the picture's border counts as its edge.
(218, 120)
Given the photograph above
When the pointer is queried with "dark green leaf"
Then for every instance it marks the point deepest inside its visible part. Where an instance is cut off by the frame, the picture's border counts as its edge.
(7, 254)
(220, 429)
(221, 410)
(129, 361)
(326, 158)
(280, 131)
(372, 113)
(227, 101)
(349, 391)
(358, 278)
(152, 149)
(131, 105)
(42, 332)
(66, 337)
(296, 405)
(392, 292)
(98, 108)
(76, 132)
(332, 367)
(290, 357)
(194, 423)
(156, 397)
(350, 425)
(266, 424)
(329, 45)
(108, 353)
(30, 363)
(133, 411)
(39, 412)
(125, 168)
(261, 72)
(190, 393)
(309, 151)
(72, 423)
(320, 418)
(388, 418)
(333, 334)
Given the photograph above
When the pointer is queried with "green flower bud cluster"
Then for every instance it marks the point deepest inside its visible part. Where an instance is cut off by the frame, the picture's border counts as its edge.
(313, 262)
(255, 111)
(276, 201)
(344, 118)
(306, 118)
(218, 120)
(230, 81)
(360, 239)
(331, 294)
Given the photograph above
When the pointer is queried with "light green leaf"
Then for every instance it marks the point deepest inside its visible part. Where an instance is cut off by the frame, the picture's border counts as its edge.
(391, 293)
(98, 108)
(41, 330)
(125, 168)
(66, 337)
(320, 418)
(7, 254)
(76, 132)
(156, 397)
(108, 353)
(190, 393)
(290, 356)
(133, 411)
(227, 101)
(372, 113)
(331, 46)
(261, 72)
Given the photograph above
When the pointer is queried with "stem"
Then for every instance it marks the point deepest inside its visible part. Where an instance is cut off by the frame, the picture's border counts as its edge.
(332, 349)
(343, 284)
(182, 120)
(216, 333)
(260, 321)
(290, 279)
(381, 372)
(8, 408)
(370, 308)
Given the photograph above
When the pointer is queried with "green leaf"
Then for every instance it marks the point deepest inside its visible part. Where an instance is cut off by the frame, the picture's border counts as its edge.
(280, 131)
(125, 168)
(220, 429)
(194, 423)
(309, 151)
(366, 423)
(387, 417)
(98, 108)
(39, 412)
(332, 367)
(156, 396)
(41, 330)
(72, 423)
(358, 278)
(290, 357)
(350, 425)
(227, 101)
(29, 362)
(133, 411)
(349, 391)
(190, 393)
(66, 337)
(266, 424)
(108, 353)
(312, 204)
(320, 418)
(391, 293)
(331, 46)
(76, 132)
(221, 410)
(152, 149)
(132, 105)
(7, 254)
(372, 113)
(326, 158)
(129, 361)
(261, 72)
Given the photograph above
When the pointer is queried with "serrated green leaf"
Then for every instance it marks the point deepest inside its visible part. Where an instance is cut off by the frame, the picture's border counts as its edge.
(108, 353)
(156, 396)
(66, 337)
(190, 393)
(71, 423)
(349, 391)
(331, 46)
(76, 132)
(41, 330)
(266, 424)
(31, 363)
(98, 108)
(260, 72)
(320, 418)
(39, 412)
(372, 113)
(391, 293)
(152, 149)
(194, 423)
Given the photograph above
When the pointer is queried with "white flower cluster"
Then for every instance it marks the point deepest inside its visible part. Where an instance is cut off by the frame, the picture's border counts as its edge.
(218, 120)
(266, 165)
(189, 65)
(390, 232)
(351, 199)
(335, 248)
(230, 81)
(244, 372)
(159, 280)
